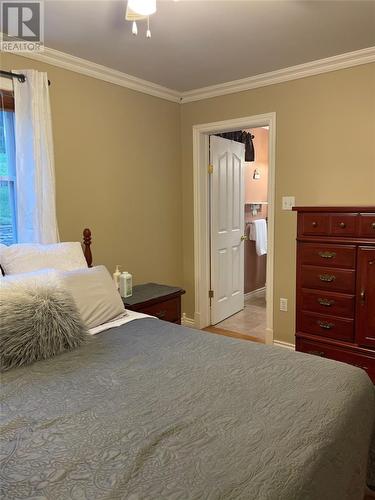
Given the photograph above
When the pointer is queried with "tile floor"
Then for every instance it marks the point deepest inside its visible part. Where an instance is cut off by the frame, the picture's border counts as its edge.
(250, 321)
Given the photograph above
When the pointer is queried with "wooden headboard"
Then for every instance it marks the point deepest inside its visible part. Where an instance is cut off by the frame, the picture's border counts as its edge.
(87, 246)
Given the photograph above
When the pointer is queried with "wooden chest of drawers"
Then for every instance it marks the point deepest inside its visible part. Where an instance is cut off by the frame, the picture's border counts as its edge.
(335, 304)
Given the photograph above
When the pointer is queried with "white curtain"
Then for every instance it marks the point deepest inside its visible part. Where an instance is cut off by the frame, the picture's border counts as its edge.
(35, 170)
(8, 230)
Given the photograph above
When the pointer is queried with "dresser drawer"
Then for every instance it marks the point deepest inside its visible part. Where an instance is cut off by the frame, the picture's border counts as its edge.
(326, 278)
(328, 255)
(327, 326)
(315, 224)
(168, 310)
(324, 302)
(363, 361)
(344, 224)
(367, 225)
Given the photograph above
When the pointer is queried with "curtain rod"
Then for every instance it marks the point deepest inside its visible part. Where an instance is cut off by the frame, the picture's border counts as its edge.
(20, 77)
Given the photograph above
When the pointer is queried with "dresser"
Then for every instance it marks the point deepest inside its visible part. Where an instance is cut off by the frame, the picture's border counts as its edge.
(161, 301)
(335, 301)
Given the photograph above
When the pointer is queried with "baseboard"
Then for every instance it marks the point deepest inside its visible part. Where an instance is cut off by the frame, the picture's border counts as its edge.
(255, 293)
(287, 345)
(269, 336)
(185, 321)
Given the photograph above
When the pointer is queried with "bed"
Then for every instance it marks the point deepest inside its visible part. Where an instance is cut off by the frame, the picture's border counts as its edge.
(153, 410)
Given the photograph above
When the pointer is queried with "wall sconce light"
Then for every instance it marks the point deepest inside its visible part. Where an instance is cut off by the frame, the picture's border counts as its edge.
(256, 174)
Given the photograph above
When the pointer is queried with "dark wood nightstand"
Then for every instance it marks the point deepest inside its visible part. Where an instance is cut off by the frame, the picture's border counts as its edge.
(161, 301)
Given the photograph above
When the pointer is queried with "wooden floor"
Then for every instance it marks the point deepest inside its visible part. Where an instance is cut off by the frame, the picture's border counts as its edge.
(229, 333)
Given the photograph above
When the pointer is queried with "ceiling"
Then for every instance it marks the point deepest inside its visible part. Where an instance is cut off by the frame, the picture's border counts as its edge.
(199, 43)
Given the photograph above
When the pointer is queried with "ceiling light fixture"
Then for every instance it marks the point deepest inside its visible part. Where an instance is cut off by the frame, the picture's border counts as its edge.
(148, 32)
(138, 10)
(142, 7)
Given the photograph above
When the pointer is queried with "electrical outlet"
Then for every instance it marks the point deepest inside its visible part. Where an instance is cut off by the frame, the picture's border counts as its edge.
(288, 202)
(284, 305)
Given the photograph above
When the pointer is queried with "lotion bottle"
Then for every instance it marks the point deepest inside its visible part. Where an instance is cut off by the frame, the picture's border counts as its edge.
(116, 277)
(126, 285)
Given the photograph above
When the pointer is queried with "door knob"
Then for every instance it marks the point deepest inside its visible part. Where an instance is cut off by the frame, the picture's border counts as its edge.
(244, 237)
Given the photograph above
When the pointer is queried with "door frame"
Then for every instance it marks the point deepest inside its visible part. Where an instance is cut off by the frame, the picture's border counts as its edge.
(201, 135)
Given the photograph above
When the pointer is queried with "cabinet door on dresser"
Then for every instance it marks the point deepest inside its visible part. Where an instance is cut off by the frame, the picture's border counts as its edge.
(365, 331)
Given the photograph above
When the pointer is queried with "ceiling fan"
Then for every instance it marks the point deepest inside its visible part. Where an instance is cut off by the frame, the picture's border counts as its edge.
(139, 10)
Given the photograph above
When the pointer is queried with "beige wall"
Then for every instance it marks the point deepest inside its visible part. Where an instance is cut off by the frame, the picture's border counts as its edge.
(117, 156)
(325, 154)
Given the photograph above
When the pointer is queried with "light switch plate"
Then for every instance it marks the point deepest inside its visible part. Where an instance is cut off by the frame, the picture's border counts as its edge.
(288, 202)
(284, 305)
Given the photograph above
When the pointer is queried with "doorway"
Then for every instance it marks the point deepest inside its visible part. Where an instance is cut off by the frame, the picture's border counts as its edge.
(241, 263)
(202, 214)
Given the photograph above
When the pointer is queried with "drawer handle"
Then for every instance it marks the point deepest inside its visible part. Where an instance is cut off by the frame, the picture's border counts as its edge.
(161, 314)
(314, 224)
(326, 302)
(327, 255)
(363, 296)
(317, 353)
(342, 225)
(326, 325)
(373, 225)
(328, 278)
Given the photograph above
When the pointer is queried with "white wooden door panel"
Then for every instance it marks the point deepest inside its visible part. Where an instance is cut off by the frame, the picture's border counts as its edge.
(227, 228)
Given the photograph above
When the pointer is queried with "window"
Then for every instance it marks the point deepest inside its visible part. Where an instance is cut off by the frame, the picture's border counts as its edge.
(8, 231)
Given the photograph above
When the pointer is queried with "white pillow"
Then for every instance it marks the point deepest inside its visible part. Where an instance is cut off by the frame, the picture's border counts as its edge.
(27, 257)
(34, 278)
(93, 289)
(2, 248)
(95, 294)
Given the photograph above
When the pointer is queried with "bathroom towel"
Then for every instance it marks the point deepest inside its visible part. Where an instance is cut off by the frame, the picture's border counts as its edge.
(258, 233)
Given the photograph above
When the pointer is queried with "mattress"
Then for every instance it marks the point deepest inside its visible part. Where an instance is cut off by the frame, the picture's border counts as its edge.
(153, 410)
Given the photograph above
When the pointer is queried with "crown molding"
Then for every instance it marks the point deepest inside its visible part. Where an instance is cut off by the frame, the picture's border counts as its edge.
(88, 68)
(341, 61)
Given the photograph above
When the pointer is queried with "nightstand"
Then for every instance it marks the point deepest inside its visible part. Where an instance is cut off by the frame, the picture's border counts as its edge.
(162, 301)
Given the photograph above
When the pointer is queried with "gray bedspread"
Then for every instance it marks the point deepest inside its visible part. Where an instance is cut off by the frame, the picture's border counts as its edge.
(152, 410)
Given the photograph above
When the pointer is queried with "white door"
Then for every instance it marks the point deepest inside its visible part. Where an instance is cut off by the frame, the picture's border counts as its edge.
(227, 227)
